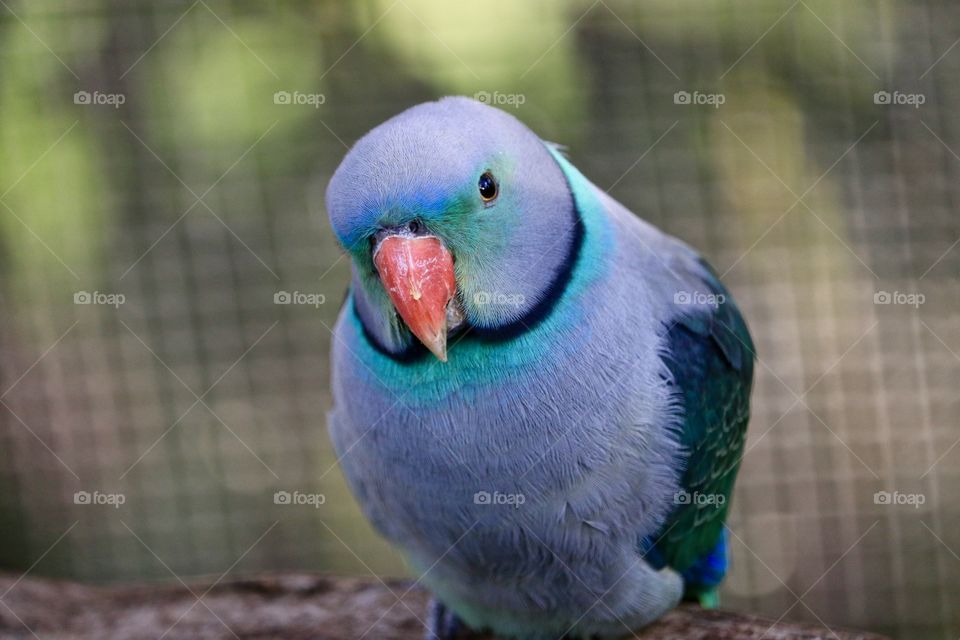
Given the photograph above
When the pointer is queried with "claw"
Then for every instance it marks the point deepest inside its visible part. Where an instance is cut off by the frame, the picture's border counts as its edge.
(442, 623)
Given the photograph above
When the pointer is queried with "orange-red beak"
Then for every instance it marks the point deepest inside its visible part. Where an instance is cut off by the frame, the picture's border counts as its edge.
(417, 272)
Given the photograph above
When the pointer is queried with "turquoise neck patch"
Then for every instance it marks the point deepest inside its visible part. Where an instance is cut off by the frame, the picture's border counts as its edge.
(475, 362)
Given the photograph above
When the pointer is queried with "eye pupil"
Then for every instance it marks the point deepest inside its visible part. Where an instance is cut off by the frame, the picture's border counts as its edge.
(487, 186)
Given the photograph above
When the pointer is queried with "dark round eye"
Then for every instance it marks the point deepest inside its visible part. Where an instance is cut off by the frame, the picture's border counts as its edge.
(487, 186)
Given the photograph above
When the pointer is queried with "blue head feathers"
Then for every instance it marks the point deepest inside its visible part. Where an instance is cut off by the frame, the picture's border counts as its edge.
(475, 178)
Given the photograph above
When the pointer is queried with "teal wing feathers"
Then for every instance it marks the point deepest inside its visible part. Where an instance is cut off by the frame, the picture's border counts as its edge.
(710, 356)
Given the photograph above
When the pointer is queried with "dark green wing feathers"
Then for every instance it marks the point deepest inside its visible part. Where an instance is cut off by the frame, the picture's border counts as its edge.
(710, 356)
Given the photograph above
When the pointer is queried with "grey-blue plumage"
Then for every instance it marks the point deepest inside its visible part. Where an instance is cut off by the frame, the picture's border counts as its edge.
(598, 373)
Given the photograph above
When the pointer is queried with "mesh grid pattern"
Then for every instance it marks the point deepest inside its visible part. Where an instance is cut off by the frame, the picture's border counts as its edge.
(199, 397)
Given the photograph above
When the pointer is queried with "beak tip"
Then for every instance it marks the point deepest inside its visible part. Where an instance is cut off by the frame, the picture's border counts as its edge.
(438, 348)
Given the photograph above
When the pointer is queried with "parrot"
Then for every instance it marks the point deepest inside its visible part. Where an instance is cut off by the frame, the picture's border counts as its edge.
(539, 398)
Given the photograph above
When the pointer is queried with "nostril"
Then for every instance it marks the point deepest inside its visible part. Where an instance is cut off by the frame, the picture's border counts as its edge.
(413, 228)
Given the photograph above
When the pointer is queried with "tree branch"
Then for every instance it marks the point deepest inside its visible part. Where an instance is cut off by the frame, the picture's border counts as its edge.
(296, 607)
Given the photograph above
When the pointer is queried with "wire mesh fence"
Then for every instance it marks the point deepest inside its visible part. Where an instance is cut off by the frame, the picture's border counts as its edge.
(169, 280)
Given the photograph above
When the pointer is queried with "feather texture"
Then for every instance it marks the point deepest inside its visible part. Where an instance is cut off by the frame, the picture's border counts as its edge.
(527, 475)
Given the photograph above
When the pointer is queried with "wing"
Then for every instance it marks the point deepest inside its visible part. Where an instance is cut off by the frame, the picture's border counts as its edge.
(710, 356)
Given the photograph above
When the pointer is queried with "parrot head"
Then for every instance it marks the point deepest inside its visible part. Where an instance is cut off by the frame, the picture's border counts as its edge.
(455, 216)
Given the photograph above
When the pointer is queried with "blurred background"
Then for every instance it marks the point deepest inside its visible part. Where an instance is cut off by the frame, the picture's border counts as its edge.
(162, 169)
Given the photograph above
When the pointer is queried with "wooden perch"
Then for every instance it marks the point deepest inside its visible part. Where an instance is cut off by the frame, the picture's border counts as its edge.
(295, 607)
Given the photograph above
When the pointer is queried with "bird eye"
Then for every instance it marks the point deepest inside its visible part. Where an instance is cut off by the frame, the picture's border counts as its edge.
(487, 186)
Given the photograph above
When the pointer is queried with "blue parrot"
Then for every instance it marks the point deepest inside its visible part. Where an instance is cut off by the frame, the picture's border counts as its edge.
(563, 465)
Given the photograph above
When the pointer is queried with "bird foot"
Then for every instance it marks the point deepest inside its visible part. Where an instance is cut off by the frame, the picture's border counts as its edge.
(442, 623)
